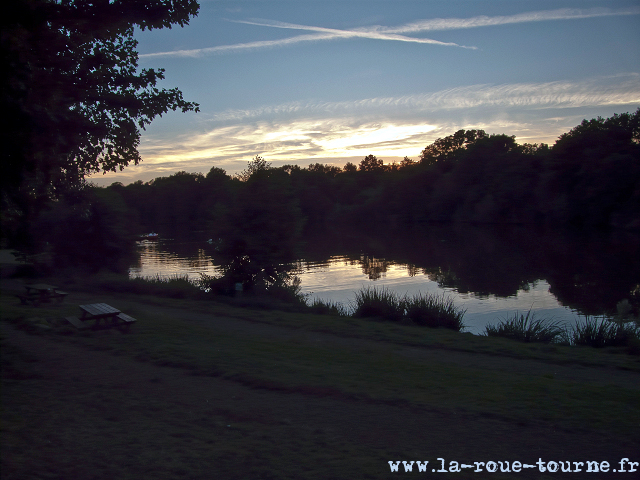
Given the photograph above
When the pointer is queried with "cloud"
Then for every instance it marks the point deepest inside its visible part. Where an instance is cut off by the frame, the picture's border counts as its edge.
(222, 49)
(331, 33)
(602, 91)
(389, 127)
(392, 33)
(485, 21)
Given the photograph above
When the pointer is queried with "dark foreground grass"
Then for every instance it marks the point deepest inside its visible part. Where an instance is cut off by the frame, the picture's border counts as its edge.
(209, 390)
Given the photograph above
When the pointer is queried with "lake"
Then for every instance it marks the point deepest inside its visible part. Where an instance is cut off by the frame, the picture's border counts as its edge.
(491, 272)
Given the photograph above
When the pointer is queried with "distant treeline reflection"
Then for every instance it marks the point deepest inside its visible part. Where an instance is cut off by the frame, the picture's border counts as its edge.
(589, 272)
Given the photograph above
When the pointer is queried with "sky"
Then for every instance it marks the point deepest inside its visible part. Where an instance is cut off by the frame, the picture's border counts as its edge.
(306, 81)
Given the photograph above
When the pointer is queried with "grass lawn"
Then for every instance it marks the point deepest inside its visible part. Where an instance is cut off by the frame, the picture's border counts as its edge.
(204, 389)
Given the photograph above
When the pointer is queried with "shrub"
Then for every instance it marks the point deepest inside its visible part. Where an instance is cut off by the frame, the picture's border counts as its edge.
(285, 288)
(526, 328)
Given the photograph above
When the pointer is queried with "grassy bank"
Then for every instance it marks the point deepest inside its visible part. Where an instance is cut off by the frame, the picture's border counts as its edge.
(199, 386)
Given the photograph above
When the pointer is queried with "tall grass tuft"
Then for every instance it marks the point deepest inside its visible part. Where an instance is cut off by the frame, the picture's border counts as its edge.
(434, 311)
(174, 286)
(526, 328)
(604, 333)
(374, 302)
(323, 307)
(422, 309)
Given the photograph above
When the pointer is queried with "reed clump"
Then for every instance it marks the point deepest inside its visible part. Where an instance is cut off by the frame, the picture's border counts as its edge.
(527, 328)
(422, 309)
(433, 310)
(603, 332)
(378, 302)
(325, 307)
(173, 286)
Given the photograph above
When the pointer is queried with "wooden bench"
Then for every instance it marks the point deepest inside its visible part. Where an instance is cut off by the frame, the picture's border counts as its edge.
(23, 298)
(59, 295)
(35, 298)
(76, 322)
(125, 318)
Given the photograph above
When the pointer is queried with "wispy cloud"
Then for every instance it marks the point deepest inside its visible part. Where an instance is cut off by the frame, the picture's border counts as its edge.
(527, 17)
(375, 33)
(386, 33)
(390, 127)
(222, 49)
(602, 91)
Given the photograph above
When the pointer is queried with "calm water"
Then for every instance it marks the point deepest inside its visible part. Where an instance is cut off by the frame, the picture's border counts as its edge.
(490, 274)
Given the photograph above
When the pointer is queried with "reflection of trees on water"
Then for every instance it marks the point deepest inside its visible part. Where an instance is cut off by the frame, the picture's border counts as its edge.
(444, 279)
(412, 270)
(589, 272)
(374, 268)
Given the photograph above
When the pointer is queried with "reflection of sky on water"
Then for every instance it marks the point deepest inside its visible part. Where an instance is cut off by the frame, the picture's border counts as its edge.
(157, 261)
(338, 279)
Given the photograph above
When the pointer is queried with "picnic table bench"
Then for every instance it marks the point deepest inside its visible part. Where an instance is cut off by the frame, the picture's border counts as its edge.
(41, 292)
(100, 311)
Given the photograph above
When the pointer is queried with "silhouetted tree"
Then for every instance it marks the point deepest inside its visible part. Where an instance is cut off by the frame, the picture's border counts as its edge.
(592, 175)
(350, 168)
(371, 163)
(72, 99)
(443, 148)
(255, 166)
(407, 162)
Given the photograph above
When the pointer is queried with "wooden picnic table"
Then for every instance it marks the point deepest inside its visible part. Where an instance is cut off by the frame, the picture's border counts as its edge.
(40, 288)
(100, 311)
(41, 292)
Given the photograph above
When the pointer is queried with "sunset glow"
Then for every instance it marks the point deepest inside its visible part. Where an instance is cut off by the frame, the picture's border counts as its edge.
(332, 83)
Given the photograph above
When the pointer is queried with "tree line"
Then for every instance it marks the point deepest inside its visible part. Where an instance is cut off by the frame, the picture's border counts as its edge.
(75, 103)
(589, 178)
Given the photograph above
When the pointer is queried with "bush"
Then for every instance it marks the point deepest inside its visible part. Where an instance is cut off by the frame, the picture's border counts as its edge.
(285, 288)
(526, 328)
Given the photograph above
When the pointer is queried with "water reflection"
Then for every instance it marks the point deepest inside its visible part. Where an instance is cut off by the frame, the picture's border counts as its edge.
(490, 272)
(167, 258)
